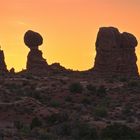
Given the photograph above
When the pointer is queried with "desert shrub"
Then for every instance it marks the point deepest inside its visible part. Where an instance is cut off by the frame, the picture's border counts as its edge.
(29, 76)
(28, 110)
(52, 119)
(18, 124)
(63, 82)
(110, 80)
(126, 111)
(55, 103)
(91, 88)
(83, 131)
(63, 129)
(133, 83)
(35, 123)
(76, 88)
(56, 118)
(14, 87)
(105, 101)
(68, 99)
(17, 98)
(101, 91)
(86, 101)
(46, 136)
(100, 111)
(129, 119)
(123, 79)
(25, 130)
(43, 134)
(35, 94)
(119, 132)
(114, 77)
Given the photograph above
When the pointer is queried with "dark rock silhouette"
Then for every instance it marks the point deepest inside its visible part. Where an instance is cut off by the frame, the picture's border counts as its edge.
(115, 53)
(33, 39)
(35, 61)
(12, 70)
(3, 67)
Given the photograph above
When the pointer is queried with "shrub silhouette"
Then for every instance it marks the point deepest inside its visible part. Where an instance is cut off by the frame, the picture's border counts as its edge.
(100, 111)
(63, 129)
(92, 89)
(18, 124)
(55, 103)
(35, 123)
(86, 101)
(101, 91)
(83, 131)
(119, 132)
(133, 84)
(76, 88)
(52, 119)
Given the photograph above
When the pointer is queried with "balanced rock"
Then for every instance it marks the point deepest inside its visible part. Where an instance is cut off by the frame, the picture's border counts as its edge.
(35, 61)
(33, 39)
(3, 67)
(115, 53)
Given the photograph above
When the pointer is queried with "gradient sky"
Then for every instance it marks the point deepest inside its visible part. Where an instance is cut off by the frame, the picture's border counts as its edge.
(69, 28)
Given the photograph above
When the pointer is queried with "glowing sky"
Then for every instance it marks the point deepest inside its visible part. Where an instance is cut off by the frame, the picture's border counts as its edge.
(69, 28)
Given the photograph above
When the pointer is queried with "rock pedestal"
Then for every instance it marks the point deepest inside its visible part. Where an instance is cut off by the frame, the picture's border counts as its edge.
(35, 61)
(115, 53)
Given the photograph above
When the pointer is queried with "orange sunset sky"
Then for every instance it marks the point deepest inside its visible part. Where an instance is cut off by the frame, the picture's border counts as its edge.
(69, 28)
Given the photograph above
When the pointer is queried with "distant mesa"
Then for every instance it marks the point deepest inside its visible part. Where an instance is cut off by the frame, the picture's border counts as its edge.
(35, 62)
(115, 53)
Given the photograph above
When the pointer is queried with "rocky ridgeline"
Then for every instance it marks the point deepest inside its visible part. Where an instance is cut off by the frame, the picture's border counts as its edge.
(115, 53)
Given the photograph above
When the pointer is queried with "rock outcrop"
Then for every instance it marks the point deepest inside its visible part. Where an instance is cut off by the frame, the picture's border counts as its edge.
(35, 61)
(3, 67)
(115, 53)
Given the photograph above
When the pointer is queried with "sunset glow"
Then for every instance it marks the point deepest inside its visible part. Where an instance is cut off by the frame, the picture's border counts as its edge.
(69, 28)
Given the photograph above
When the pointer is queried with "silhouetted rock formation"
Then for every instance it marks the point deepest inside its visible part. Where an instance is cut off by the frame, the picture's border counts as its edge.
(12, 71)
(115, 53)
(35, 61)
(3, 67)
(57, 68)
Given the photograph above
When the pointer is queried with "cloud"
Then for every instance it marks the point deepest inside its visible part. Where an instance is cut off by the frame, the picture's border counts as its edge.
(22, 23)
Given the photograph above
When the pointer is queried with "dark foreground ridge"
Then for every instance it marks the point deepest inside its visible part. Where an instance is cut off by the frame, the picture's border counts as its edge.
(69, 106)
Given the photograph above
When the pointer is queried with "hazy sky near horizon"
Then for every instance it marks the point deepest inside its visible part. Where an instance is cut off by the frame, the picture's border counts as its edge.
(69, 28)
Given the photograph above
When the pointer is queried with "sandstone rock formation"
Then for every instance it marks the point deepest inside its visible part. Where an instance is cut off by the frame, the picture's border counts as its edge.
(115, 53)
(35, 61)
(3, 67)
